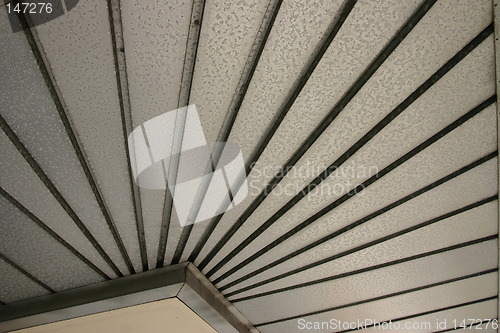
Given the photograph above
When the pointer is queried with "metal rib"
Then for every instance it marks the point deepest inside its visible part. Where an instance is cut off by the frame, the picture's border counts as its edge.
(451, 307)
(57, 195)
(238, 97)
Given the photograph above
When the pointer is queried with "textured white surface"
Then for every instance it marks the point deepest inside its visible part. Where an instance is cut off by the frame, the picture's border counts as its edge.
(408, 304)
(155, 46)
(15, 286)
(474, 139)
(84, 71)
(434, 203)
(21, 182)
(417, 58)
(35, 251)
(79, 51)
(27, 106)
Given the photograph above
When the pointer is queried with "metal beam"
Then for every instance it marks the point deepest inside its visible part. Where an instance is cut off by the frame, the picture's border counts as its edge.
(95, 298)
(352, 150)
(183, 281)
(234, 108)
(320, 50)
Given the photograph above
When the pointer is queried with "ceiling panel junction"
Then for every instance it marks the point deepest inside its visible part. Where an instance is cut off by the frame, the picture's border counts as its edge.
(365, 197)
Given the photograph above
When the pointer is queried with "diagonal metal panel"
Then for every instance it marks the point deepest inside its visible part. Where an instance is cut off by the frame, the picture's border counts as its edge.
(32, 249)
(52, 153)
(15, 286)
(445, 293)
(349, 152)
(465, 136)
(155, 47)
(307, 266)
(319, 129)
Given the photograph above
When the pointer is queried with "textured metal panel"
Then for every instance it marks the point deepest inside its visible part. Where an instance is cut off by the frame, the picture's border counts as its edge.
(449, 319)
(20, 181)
(14, 286)
(79, 52)
(408, 304)
(344, 60)
(386, 281)
(229, 30)
(28, 108)
(32, 249)
(471, 141)
(435, 203)
(372, 103)
(155, 47)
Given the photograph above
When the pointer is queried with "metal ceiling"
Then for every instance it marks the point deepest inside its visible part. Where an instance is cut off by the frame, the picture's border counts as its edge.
(368, 128)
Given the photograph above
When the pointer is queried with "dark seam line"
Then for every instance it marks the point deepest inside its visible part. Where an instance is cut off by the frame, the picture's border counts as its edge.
(126, 118)
(362, 247)
(363, 186)
(351, 226)
(186, 231)
(68, 126)
(57, 195)
(451, 307)
(399, 293)
(467, 326)
(377, 62)
(298, 86)
(52, 233)
(26, 273)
